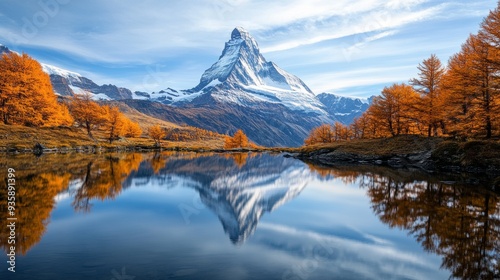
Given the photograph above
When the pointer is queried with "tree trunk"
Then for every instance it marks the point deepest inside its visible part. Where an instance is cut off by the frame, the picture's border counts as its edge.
(89, 132)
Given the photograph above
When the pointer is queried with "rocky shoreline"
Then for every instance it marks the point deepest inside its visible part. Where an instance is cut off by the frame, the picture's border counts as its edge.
(475, 157)
(334, 158)
(39, 149)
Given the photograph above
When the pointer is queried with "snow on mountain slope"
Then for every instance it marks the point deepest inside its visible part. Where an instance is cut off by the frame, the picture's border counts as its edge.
(344, 109)
(247, 195)
(52, 70)
(68, 83)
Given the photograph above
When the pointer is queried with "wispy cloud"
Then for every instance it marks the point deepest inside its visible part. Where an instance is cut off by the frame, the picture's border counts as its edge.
(356, 24)
(336, 81)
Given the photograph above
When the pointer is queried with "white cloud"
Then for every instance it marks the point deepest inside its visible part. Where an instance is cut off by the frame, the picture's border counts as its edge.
(358, 25)
(341, 79)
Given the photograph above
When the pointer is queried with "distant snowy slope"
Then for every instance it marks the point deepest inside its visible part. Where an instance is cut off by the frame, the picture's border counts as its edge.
(344, 109)
(68, 83)
(52, 70)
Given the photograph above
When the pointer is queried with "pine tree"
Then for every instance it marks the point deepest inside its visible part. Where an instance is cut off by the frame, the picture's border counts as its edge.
(428, 85)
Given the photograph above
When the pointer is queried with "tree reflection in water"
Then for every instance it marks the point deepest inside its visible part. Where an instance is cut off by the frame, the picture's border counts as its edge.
(40, 180)
(103, 179)
(455, 220)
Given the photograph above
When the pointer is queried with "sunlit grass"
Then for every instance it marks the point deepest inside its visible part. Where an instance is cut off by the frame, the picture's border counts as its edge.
(22, 137)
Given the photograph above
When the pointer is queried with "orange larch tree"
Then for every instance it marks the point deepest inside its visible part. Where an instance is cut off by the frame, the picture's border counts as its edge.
(239, 140)
(131, 129)
(156, 133)
(115, 122)
(489, 34)
(428, 85)
(26, 94)
(321, 134)
(457, 85)
(393, 109)
(472, 90)
(87, 113)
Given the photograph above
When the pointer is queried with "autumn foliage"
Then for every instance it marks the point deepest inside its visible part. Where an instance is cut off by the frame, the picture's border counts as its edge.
(117, 124)
(86, 112)
(461, 100)
(26, 95)
(328, 134)
(92, 116)
(156, 133)
(239, 140)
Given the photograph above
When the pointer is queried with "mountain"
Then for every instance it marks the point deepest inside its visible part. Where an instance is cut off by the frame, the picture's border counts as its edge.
(67, 83)
(4, 49)
(344, 109)
(242, 76)
(244, 91)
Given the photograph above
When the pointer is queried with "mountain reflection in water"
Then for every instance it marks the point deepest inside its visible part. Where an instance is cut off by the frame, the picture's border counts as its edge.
(459, 222)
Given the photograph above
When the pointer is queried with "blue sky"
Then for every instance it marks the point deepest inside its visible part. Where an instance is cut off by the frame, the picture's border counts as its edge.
(352, 48)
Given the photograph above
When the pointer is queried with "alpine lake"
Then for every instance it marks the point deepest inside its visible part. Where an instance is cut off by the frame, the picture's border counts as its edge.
(172, 215)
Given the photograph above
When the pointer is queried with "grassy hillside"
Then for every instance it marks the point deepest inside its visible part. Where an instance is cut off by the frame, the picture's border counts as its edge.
(14, 137)
(143, 120)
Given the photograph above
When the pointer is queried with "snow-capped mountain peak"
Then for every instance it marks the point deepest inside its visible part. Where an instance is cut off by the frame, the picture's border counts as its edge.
(68, 83)
(241, 33)
(241, 54)
(242, 76)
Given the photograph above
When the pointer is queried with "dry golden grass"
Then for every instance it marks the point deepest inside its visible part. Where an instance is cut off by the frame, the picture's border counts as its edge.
(21, 137)
(143, 120)
(15, 136)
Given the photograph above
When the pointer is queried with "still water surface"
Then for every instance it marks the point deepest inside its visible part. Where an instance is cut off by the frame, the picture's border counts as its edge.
(242, 216)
